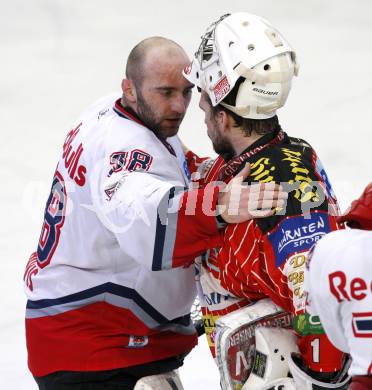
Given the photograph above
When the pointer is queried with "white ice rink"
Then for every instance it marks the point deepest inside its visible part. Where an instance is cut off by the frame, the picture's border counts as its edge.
(58, 56)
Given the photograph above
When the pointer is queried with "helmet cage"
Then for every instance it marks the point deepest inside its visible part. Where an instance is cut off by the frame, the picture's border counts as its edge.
(208, 52)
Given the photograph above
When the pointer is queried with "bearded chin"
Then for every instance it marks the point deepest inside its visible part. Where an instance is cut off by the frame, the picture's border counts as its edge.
(148, 117)
(222, 146)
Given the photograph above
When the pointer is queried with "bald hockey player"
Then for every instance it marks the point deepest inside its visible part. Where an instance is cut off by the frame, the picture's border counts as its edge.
(110, 285)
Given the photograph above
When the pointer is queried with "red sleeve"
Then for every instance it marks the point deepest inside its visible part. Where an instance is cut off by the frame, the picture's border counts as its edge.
(203, 170)
(186, 227)
(197, 229)
(194, 161)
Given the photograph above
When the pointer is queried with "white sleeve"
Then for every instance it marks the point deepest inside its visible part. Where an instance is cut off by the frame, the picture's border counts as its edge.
(141, 208)
(143, 218)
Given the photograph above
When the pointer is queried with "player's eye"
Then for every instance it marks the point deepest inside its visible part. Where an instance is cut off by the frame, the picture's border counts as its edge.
(166, 92)
(187, 92)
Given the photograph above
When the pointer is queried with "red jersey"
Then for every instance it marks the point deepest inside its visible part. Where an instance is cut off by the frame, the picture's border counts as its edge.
(266, 257)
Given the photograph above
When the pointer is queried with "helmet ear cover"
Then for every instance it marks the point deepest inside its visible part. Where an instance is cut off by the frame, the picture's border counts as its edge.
(359, 215)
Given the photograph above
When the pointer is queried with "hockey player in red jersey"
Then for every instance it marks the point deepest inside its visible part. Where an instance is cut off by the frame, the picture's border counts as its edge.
(244, 69)
(339, 287)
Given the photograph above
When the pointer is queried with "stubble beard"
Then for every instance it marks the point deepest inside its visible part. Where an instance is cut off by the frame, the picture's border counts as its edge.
(222, 145)
(148, 117)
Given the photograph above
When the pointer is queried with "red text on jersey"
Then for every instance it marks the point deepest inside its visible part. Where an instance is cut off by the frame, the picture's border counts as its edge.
(71, 157)
(342, 289)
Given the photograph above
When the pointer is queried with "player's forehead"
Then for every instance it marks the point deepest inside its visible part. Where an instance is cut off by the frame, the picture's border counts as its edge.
(163, 67)
(166, 78)
(165, 53)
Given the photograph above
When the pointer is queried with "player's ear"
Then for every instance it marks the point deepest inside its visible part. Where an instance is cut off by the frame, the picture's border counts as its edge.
(224, 120)
(129, 91)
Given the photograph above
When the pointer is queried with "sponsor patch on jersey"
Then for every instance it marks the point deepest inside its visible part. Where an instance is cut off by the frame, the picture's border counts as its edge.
(297, 234)
(262, 170)
(306, 324)
(138, 341)
(209, 321)
(306, 190)
(294, 269)
(221, 89)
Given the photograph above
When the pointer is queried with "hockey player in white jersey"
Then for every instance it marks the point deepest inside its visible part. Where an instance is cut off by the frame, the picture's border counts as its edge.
(339, 285)
(110, 285)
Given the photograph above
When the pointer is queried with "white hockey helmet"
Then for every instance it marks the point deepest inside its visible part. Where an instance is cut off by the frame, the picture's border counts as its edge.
(247, 51)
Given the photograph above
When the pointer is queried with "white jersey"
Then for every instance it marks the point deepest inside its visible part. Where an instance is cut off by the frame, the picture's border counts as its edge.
(103, 288)
(339, 284)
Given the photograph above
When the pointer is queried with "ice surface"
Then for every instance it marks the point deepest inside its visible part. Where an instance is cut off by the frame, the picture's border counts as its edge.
(57, 56)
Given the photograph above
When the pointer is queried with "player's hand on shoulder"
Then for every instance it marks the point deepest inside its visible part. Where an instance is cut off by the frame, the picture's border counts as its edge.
(240, 202)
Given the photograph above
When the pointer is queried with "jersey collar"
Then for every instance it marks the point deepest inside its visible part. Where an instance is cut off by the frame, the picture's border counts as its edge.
(235, 165)
(128, 113)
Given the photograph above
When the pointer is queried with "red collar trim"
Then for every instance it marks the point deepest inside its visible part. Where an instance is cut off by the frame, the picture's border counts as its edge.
(124, 113)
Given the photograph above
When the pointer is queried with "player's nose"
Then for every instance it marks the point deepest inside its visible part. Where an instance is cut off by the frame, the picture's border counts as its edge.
(179, 104)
